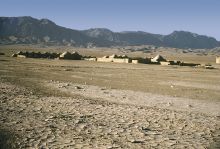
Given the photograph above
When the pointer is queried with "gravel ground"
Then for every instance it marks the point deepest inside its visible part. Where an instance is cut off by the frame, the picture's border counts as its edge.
(81, 121)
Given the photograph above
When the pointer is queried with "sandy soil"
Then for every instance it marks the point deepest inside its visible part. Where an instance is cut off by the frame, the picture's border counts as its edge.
(191, 84)
(79, 104)
(139, 98)
(89, 122)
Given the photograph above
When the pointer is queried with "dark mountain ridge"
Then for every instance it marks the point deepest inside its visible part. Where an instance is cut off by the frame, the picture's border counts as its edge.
(28, 30)
(31, 30)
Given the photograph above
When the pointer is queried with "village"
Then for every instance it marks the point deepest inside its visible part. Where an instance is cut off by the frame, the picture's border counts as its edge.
(110, 74)
(61, 97)
(158, 59)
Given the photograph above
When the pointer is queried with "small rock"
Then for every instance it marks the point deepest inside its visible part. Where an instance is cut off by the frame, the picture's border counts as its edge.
(37, 109)
(67, 69)
(189, 106)
(113, 146)
(136, 141)
(170, 143)
(78, 87)
(145, 129)
(46, 119)
(151, 133)
(169, 104)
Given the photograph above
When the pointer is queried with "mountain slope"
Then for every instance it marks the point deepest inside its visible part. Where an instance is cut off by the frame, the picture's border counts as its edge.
(30, 30)
(139, 38)
(102, 33)
(182, 39)
(177, 39)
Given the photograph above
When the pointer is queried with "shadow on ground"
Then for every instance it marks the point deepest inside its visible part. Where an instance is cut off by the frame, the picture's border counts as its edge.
(216, 145)
(7, 140)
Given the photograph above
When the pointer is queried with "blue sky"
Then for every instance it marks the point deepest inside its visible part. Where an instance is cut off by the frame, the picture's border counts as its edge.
(154, 16)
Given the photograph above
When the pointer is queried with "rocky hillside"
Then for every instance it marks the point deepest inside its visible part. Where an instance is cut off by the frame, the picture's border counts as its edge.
(182, 39)
(31, 31)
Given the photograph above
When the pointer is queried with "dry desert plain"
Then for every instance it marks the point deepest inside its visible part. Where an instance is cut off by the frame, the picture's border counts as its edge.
(48, 103)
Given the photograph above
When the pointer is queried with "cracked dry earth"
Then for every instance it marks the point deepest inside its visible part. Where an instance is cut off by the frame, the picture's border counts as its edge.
(81, 122)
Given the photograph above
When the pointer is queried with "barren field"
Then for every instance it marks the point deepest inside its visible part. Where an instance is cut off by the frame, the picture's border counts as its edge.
(79, 104)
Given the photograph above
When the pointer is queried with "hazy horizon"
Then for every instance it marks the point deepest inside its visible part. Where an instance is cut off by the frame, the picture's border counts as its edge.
(152, 16)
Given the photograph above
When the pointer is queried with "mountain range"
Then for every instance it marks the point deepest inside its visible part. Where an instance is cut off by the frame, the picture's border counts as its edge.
(28, 30)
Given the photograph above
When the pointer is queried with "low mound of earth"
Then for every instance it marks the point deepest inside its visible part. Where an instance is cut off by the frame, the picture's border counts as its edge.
(97, 117)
